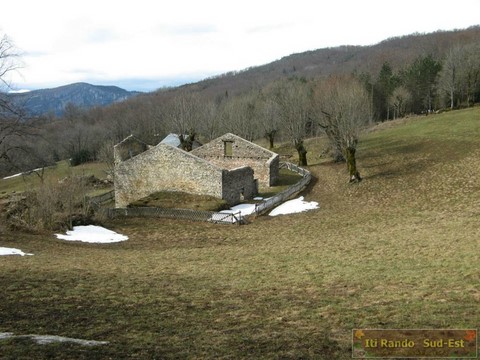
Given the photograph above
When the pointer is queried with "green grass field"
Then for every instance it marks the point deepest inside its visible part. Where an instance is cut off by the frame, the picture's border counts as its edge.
(61, 170)
(398, 250)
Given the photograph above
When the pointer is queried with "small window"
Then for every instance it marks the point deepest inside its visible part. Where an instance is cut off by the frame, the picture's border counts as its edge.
(228, 148)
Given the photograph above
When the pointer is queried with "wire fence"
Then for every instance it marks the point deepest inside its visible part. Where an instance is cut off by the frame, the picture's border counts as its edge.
(287, 193)
(185, 214)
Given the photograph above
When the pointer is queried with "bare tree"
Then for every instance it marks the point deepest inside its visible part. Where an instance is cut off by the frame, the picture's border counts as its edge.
(183, 115)
(292, 98)
(449, 75)
(105, 155)
(9, 60)
(269, 116)
(399, 101)
(210, 127)
(344, 111)
(12, 125)
(470, 73)
(239, 116)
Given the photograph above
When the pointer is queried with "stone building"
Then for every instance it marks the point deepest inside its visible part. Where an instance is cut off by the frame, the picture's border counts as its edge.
(226, 168)
(230, 151)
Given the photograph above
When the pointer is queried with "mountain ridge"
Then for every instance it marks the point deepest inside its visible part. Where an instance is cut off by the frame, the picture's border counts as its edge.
(53, 101)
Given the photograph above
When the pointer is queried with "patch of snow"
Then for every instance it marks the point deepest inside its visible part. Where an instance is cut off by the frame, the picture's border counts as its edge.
(258, 198)
(294, 206)
(21, 91)
(244, 209)
(48, 339)
(288, 207)
(12, 251)
(12, 176)
(92, 234)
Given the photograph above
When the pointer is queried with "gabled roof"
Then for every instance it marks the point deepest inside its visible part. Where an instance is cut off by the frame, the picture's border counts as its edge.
(174, 140)
(131, 138)
(129, 147)
(171, 139)
(232, 137)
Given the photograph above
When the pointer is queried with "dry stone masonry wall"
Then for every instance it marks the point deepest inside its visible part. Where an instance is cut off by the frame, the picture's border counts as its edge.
(238, 184)
(165, 168)
(230, 152)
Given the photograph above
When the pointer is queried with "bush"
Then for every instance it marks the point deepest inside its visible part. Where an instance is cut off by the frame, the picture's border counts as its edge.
(81, 157)
(53, 206)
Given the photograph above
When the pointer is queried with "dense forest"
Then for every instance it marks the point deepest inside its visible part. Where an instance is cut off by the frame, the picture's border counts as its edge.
(335, 91)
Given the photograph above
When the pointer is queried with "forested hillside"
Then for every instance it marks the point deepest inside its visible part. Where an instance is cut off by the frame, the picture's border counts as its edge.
(56, 101)
(286, 99)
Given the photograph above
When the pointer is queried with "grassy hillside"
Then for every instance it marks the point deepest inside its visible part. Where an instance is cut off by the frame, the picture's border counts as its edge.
(399, 250)
(54, 173)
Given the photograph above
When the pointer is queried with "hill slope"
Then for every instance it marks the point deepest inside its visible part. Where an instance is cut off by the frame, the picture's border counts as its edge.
(402, 242)
(54, 101)
(398, 51)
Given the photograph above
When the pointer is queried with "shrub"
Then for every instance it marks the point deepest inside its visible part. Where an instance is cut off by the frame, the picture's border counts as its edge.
(81, 157)
(52, 206)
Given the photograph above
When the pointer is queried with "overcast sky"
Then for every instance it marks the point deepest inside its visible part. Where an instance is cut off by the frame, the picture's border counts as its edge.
(146, 44)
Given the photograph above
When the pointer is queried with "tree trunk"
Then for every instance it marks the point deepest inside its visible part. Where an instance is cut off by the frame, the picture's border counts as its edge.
(271, 137)
(352, 165)
(186, 142)
(302, 153)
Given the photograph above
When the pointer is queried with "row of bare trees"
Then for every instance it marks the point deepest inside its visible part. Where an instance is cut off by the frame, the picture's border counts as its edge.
(293, 109)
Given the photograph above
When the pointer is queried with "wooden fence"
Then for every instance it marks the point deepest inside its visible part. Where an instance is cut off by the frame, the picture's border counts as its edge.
(276, 200)
(97, 201)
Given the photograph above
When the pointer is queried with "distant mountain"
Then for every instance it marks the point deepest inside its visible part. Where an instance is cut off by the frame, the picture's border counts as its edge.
(83, 95)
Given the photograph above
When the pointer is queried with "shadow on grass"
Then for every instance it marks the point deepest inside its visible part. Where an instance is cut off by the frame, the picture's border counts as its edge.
(313, 182)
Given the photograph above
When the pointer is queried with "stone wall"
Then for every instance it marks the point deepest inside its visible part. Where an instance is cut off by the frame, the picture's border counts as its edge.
(238, 183)
(165, 168)
(243, 153)
(274, 169)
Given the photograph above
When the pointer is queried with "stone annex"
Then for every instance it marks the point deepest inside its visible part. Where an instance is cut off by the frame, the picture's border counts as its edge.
(229, 168)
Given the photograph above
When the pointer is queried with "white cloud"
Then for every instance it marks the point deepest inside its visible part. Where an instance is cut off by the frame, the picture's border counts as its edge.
(114, 40)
